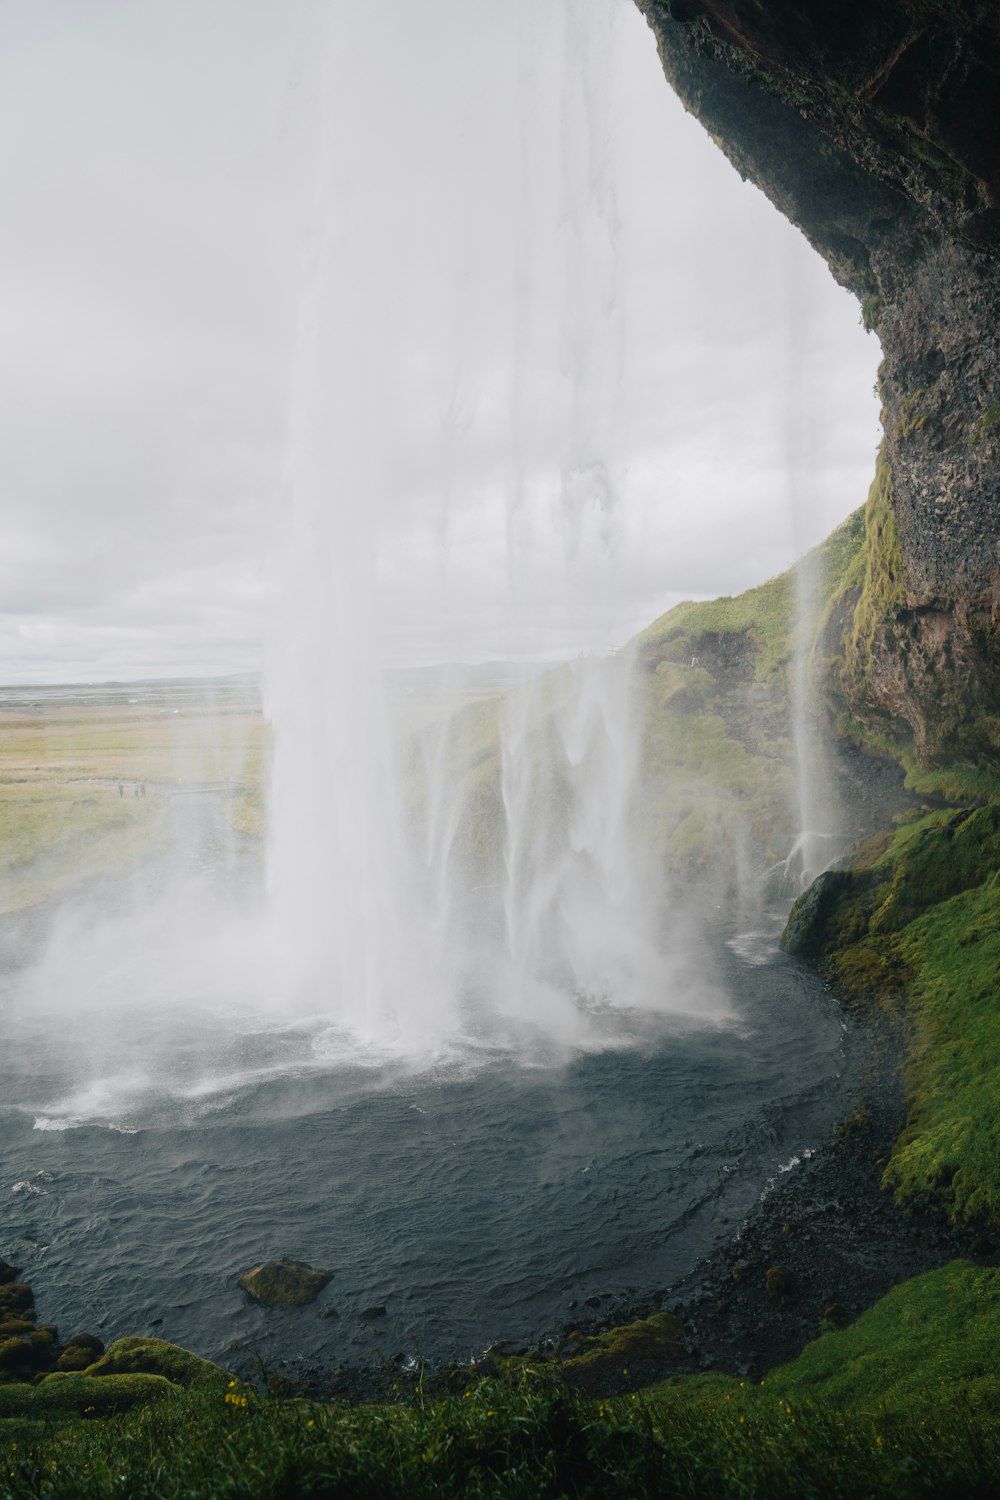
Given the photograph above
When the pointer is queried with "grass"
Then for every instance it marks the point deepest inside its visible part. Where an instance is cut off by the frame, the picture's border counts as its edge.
(932, 1339)
(950, 1150)
(904, 1403)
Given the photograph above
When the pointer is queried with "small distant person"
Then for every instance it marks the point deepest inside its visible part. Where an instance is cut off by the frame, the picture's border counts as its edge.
(135, 790)
(121, 790)
(694, 661)
(142, 789)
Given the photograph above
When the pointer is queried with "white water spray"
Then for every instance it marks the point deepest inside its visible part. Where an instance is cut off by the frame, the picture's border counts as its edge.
(375, 918)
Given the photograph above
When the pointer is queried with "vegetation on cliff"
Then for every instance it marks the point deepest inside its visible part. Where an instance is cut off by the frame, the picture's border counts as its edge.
(913, 925)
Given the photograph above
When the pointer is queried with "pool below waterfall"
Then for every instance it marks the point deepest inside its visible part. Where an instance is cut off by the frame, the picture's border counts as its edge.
(474, 1200)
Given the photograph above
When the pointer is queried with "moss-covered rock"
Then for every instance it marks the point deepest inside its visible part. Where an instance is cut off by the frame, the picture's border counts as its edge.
(621, 1358)
(16, 1359)
(284, 1283)
(80, 1352)
(17, 1300)
(62, 1395)
(806, 931)
(914, 926)
(132, 1356)
(11, 1327)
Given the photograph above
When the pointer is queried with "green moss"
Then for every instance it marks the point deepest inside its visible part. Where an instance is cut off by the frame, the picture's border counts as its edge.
(915, 925)
(618, 1357)
(986, 421)
(944, 854)
(912, 415)
(882, 589)
(932, 1336)
(931, 1339)
(949, 1152)
(60, 1397)
(764, 615)
(155, 1357)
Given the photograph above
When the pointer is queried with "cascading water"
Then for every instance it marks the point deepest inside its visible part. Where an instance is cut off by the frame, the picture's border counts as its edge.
(371, 922)
(818, 838)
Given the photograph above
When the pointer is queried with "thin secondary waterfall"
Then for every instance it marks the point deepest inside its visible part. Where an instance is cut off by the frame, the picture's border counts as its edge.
(376, 918)
(818, 820)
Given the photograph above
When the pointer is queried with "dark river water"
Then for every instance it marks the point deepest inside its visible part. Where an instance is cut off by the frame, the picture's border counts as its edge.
(480, 1199)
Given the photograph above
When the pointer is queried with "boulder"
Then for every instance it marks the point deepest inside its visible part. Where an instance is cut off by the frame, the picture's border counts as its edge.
(283, 1283)
(17, 1360)
(80, 1352)
(132, 1356)
(17, 1300)
(622, 1358)
(8, 1272)
(806, 932)
(11, 1327)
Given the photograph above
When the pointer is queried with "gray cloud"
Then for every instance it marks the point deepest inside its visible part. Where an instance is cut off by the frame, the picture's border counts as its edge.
(156, 176)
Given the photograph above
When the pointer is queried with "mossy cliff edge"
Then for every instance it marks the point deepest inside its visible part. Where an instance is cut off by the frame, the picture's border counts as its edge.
(872, 125)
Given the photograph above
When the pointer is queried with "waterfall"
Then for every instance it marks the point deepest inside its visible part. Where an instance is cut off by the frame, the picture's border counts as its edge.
(375, 920)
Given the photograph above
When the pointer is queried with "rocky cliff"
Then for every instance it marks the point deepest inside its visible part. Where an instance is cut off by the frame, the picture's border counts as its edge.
(874, 126)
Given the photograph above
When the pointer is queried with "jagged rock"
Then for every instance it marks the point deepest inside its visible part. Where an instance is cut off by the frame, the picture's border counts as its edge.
(284, 1283)
(806, 927)
(778, 1282)
(371, 1314)
(875, 136)
(8, 1272)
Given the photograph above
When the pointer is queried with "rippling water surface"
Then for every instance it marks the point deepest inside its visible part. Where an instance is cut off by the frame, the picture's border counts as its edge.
(477, 1199)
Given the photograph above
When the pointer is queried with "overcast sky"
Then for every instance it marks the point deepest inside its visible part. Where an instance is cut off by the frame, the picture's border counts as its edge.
(572, 367)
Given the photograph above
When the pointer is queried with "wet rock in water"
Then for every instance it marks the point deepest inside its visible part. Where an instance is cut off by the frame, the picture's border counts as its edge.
(8, 1272)
(778, 1282)
(284, 1283)
(371, 1314)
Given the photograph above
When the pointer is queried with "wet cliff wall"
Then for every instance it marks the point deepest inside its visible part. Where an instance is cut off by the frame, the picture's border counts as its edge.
(875, 127)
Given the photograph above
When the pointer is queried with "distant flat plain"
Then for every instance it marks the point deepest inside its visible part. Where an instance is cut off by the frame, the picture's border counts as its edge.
(87, 774)
(88, 771)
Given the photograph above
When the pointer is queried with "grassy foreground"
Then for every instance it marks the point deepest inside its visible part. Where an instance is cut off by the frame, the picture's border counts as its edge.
(904, 1403)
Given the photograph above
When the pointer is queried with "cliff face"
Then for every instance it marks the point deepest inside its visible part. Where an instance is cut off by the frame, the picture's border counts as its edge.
(875, 127)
